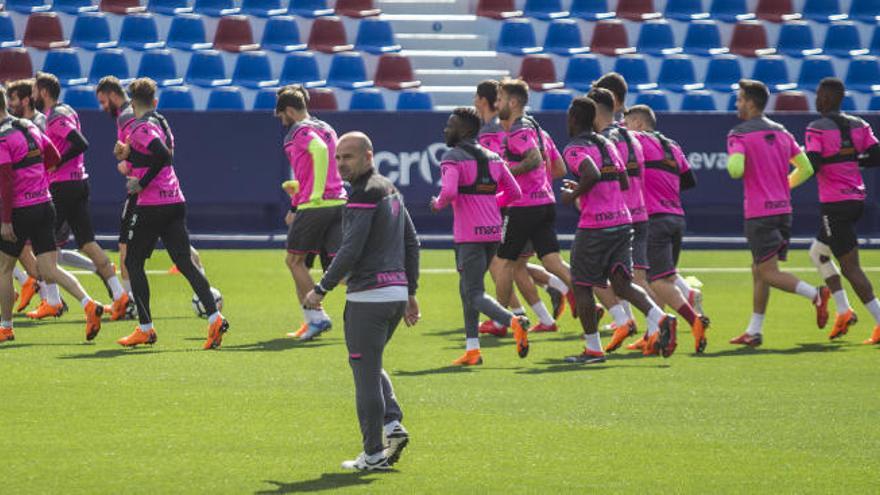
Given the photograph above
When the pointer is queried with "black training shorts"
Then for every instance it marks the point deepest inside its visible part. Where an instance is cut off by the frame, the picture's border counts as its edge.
(838, 229)
(529, 223)
(768, 237)
(316, 230)
(665, 232)
(71, 200)
(32, 224)
(597, 253)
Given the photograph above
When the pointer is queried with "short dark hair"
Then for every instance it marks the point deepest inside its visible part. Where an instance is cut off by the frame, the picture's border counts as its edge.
(583, 111)
(756, 92)
(615, 83)
(834, 88)
(488, 89)
(516, 88)
(49, 82)
(603, 97)
(110, 84)
(471, 120)
(645, 113)
(294, 96)
(143, 91)
(23, 88)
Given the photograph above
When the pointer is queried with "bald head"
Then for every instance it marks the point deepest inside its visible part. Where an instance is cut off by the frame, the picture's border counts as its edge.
(354, 155)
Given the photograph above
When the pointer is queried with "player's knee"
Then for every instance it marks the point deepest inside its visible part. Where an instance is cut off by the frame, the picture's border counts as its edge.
(620, 283)
(295, 260)
(820, 255)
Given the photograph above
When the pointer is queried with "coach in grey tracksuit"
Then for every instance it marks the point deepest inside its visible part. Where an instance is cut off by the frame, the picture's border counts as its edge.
(380, 256)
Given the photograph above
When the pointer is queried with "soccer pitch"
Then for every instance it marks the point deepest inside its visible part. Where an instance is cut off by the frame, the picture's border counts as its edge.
(267, 414)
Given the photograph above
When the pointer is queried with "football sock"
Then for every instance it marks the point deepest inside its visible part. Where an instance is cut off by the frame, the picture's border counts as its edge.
(874, 308)
(806, 290)
(755, 324)
(841, 301)
(472, 344)
(543, 315)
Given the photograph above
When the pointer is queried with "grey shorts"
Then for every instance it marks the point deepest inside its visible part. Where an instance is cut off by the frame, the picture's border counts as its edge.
(640, 246)
(597, 253)
(768, 237)
(664, 244)
(316, 231)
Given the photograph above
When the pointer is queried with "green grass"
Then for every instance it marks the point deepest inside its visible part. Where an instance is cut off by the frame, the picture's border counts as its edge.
(270, 415)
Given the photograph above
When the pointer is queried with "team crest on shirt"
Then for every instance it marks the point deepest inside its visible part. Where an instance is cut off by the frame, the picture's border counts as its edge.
(395, 206)
(770, 138)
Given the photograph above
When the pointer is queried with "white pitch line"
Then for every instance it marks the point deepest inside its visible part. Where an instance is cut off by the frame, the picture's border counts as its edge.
(86, 272)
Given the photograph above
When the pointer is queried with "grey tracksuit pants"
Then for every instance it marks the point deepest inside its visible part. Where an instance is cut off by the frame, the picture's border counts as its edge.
(472, 261)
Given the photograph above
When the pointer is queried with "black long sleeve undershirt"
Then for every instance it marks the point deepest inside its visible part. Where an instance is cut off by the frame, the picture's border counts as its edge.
(871, 157)
(160, 157)
(687, 180)
(78, 146)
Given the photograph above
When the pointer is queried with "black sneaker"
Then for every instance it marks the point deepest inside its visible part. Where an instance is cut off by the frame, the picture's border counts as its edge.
(668, 335)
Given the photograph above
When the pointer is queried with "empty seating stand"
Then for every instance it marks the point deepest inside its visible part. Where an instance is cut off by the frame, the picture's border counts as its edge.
(234, 34)
(43, 31)
(328, 36)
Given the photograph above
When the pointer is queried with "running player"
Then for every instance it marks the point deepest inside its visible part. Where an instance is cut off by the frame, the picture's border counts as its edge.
(761, 152)
(379, 255)
(160, 213)
(833, 144)
(315, 216)
(26, 214)
(471, 178)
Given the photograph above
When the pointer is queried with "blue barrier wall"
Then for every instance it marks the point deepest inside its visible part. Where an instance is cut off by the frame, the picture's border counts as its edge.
(231, 167)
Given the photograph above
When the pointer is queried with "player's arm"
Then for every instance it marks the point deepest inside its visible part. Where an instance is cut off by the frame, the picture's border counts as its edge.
(321, 162)
(803, 170)
(51, 157)
(557, 168)
(78, 145)
(448, 186)
(686, 177)
(7, 189)
(358, 220)
(160, 156)
(588, 176)
(736, 165)
(411, 253)
(531, 161)
(509, 188)
(871, 157)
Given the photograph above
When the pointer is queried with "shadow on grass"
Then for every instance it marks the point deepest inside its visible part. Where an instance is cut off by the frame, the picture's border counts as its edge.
(274, 345)
(327, 481)
(114, 353)
(752, 351)
(560, 366)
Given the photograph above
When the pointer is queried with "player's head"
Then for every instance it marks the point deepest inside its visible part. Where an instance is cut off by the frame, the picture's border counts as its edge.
(291, 104)
(829, 95)
(143, 95)
(615, 83)
(581, 115)
(47, 90)
(513, 96)
(751, 99)
(111, 95)
(354, 155)
(486, 95)
(640, 118)
(604, 100)
(463, 124)
(19, 97)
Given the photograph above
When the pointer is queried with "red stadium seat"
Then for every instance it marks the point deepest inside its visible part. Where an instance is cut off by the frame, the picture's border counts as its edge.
(395, 72)
(750, 39)
(43, 31)
(15, 64)
(609, 38)
(539, 73)
(234, 34)
(775, 10)
(791, 101)
(356, 8)
(328, 35)
(637, 10)
(322, 99)
(497, 9)
(122, 6)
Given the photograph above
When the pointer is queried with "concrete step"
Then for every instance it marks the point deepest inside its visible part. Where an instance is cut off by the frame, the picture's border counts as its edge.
(450, 96)
(443, 24)
(440, 59)
(423, 7)
(420, 41)
(454, 77)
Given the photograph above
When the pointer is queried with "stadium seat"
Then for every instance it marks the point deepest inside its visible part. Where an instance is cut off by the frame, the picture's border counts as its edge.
(227, 99)
(206, 69)
(775, 10)
(187, 32)
(262, 8)
(176, 98)
(564, 38)
(159, 66)
(328, 36)
(265, 99)
(169, 7)
(635, 70)
(497, 9)
(772, 71)
(15, 63)
(81, 97)
(64, 63)
(27, 6)
(867, 11)
(309, 8)
(656, 38)
(74, 7)
(121, 7)
(591, 10)
(110, 62)
(234, 34)
(723, 73)
(655, 99)
(43, 31)
(842, 40)
(375, 36)
(8, 39)
(685, 10)
(139, 32)
(873, 48)
(677, 74)
(582, 71)
(368, 99)
(517, 37)
(698, 101)
(215, 8)
(863, 74)
(539, 73)
(813, 70)
(731, 102)
(703, 38)
(253, 71)
(92, 31)
(729, 10)
(357, 9)
(824, 10)
(545, 10)
(347, 71)
(557, 100)
(796, 40)
(394, 71)
(281, 35)
(791, 101)
(609, 38)
(301, 68)
(412, 100)
(849, 103)
(874, 103)
(322, 99)
(636, 10)
(749, 39)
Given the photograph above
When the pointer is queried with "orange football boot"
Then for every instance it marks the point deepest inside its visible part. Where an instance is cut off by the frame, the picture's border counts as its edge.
(298, 332)
(520, 335)
(652, 345)
(215, 333)
(620, 335)
(875, 336)
(470, 358)
(638, 345)
(28, 290)
(119, 307)
(6, 334)
(701, 324)
(93, 310)
(45, 310)
(138, 337)
(842, 324)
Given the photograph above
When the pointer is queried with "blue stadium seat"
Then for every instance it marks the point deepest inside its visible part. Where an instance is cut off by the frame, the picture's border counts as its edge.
(281, 35)
(517, 37)
(262, 8)
(110, 62)
(582, 71)
(796, 40)
(28, 6)
(347, 71)
(729, 10)
(656, 38)
(591, 10)
(865, 11)
(557, 100)
(703, 38)
(635, 70)
(849, 103)
(375, 36)
(176, 98)
(863, 74)
(159, 66)
(74, 7)
(253, 71)
(685, 10)
(545, 10)
(731, 103)
(301, 68)
(677, 74)
(309, 8)
(813, 70)
(265, 99)
(187, 32)
(367, 99)
(698, 101)
(772, 71)
(842, 40)
(873, 48)
(655, 99)
(206, 69)
(874, 103)
(169, 7)
(92, 32)
(139, 32)
(64, 63)
(227, 99)
(414, 100)
(564, 38)
(215, 8)
(82, 97)
(823, 10)
(8, 39)
(723, 73)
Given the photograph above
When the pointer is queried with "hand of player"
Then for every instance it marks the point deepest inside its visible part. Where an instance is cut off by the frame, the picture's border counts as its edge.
(133, 185)
(7, 232)
(288, 219)
(291, 187)
(433, 205)
(123, 168)
(121, 150)
(313, 300)
(412, 314)
(568, 187)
